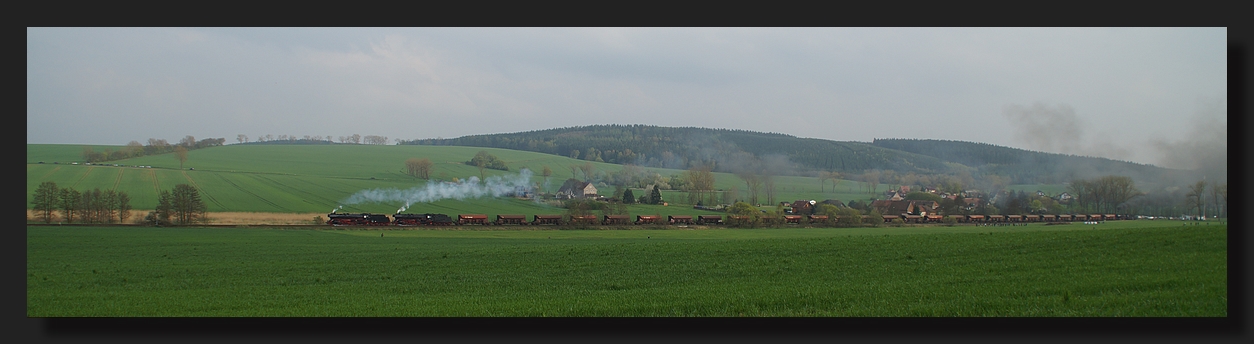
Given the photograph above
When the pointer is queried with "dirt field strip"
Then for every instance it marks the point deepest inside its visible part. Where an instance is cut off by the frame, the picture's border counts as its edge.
(155, 186)
(118, 181)
(228, 181)
(202, 191)
(54, 169)
(80, 179)
(295, 190)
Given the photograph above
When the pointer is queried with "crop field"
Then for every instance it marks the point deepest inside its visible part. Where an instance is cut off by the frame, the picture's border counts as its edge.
(1132, 269)
(316, 178)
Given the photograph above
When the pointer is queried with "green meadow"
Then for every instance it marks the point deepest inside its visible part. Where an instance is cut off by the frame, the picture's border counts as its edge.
(317, 178)
(1134, 269)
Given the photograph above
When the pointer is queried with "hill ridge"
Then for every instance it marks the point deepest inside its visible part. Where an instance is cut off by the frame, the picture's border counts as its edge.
(736, 150)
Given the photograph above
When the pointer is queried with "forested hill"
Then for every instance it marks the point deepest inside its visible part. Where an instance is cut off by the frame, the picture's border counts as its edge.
(725, 150)
(739, 150)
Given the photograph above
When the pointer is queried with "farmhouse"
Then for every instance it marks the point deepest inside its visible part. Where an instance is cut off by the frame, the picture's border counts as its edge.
(573, 188)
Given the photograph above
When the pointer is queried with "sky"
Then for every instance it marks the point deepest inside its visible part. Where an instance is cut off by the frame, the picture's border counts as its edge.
(1147, 95)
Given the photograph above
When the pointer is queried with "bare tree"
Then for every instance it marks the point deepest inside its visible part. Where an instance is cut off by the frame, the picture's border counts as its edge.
(700, 186)
(135, 149)
(418, 168)
(768, 185)
(411, 167)
(872, 179)
(188, 142)
(186, 205)
(587, 169)
(1223, 196)
(121, 206)
(180, 153)
(424, 168)
(242, 138)
(45, 201)
(69, 203)
(1195, 199)
(753, 183)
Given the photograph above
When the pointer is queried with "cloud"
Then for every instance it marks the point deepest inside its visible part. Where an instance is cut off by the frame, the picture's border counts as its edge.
(1205, 144)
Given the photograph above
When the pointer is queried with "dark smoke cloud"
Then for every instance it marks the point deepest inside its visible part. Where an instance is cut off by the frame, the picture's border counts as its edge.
(1204, 148)
(1057, 129)
(1044, 128)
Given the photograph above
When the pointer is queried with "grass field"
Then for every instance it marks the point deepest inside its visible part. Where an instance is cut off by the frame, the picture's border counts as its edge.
(317, 178)
(1117, 269)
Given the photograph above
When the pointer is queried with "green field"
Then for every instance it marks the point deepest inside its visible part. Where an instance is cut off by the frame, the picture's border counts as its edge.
(317, 178)
(1117, 269)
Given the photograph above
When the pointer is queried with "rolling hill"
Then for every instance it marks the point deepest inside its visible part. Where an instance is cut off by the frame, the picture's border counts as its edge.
(319, 178)
(736, 150)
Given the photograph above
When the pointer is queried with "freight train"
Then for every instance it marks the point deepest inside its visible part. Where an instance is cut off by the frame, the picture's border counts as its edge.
(367, 219)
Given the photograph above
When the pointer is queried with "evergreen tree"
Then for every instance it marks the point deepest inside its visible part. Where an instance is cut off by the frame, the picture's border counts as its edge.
(628, 197)
(656, 196)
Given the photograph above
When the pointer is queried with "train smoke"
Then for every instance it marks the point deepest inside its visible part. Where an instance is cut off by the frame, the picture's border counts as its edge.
(494, 186)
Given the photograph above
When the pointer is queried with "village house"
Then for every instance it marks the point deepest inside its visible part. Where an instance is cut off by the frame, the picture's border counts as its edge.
(573, 188)
(971, 203)
(895, 195)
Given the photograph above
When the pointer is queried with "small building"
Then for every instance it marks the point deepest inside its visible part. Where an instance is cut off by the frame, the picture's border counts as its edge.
(803, 207)
(573, 188)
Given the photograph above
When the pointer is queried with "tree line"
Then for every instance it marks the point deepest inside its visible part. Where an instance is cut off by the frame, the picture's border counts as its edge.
(687, 147)
(315, 139)
(182, 205)
(94, 206)
(134, 149)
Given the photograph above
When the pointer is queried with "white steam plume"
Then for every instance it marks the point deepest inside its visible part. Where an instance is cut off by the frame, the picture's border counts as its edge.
(494, 186)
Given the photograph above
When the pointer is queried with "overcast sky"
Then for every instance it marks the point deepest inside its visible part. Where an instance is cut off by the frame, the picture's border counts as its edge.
(1147, 95)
